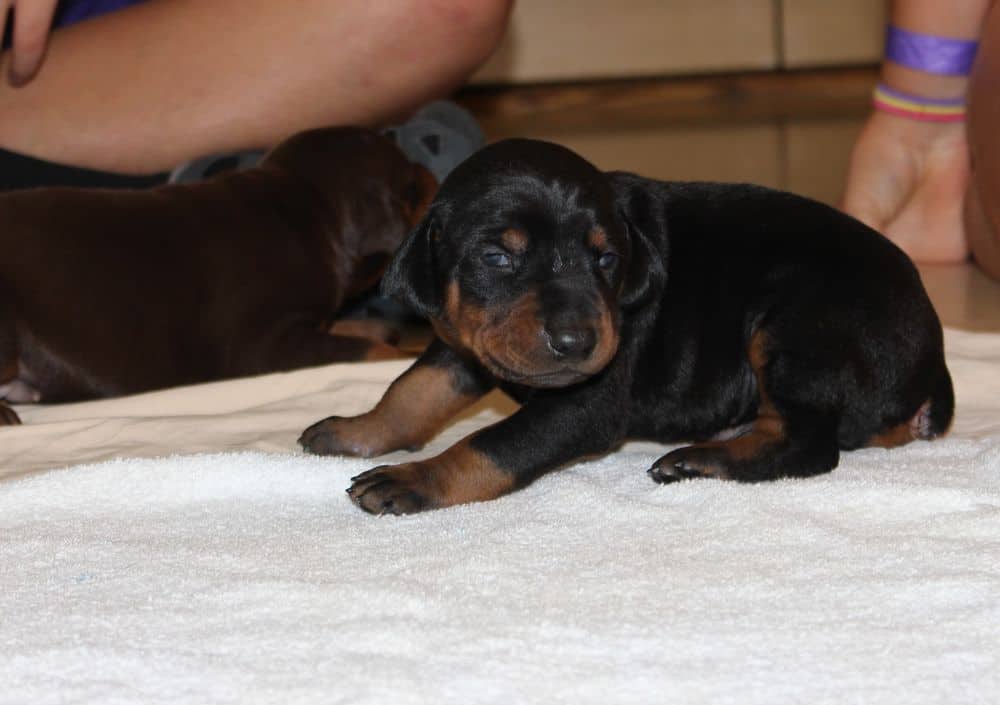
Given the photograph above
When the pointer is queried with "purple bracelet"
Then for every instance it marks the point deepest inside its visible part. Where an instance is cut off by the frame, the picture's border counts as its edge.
(930, 53)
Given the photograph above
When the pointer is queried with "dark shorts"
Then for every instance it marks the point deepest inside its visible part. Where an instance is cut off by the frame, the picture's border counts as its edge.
(19, 172)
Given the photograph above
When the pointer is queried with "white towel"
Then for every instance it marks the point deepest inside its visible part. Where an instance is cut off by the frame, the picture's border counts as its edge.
(247, 577)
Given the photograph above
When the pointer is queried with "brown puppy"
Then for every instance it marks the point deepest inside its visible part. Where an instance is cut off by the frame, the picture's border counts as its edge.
(104, 293)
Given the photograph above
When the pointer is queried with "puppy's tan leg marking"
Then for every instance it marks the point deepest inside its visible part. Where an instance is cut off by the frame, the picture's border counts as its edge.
(413, 409)
(713, 458)
(768, 429)
(457, 476)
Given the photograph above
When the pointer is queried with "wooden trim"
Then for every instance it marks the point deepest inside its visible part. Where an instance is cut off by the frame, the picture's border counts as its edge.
(731, 98)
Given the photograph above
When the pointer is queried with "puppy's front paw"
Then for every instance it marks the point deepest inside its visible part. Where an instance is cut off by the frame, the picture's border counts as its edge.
(690, 462)
(362, 436)
(335, 436)
(393, 489)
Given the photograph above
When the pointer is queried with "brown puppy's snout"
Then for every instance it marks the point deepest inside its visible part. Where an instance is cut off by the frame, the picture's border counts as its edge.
(570, 341)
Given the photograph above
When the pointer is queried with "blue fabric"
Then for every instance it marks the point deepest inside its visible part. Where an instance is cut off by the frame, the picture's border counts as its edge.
(944, 56)
(72, 11)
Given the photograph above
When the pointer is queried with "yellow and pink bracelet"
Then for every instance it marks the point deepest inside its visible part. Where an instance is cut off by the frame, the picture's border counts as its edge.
(918, 108)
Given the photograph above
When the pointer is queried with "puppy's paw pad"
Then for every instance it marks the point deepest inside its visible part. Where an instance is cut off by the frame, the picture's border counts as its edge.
(389, 489)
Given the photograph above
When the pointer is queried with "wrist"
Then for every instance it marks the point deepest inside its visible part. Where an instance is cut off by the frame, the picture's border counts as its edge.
(921, 83)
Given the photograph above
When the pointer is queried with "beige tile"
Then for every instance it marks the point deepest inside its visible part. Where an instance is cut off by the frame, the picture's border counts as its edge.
(822, 33)
(963, 296)
(817, 154)
(583, 39)
(729, 153)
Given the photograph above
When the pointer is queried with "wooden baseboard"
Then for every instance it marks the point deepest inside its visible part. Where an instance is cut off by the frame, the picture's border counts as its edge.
(737, 98)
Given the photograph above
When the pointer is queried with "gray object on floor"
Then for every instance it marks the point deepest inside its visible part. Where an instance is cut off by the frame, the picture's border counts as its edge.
(439, 136)
(206, 167)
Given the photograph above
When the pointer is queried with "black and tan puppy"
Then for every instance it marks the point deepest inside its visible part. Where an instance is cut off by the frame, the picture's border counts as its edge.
(104, 293)
(771, 330)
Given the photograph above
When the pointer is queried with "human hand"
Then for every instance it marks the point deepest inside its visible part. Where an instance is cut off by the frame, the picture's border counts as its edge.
(32, 21)
(907, 179)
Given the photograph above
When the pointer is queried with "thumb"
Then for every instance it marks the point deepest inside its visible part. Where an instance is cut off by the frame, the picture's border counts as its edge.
(32, 21)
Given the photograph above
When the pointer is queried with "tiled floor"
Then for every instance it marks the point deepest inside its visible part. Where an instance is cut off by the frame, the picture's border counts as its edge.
(805, 153)
(964, 296)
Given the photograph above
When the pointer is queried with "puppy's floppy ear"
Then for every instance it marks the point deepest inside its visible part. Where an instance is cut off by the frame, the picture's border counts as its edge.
(641, 213)
(645, 275)
(412, 275)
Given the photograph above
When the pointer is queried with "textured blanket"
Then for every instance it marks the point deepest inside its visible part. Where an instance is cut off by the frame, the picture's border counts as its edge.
(226, 567)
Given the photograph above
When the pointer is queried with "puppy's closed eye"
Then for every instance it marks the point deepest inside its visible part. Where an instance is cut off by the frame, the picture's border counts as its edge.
(607, 260)
(497, 259)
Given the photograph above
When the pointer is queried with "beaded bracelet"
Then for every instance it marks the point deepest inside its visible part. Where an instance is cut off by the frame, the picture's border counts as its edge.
(918, 108)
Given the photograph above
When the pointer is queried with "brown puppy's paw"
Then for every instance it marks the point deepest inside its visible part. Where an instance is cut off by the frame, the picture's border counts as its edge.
(691, 462)
(393, 489)
(8, 417)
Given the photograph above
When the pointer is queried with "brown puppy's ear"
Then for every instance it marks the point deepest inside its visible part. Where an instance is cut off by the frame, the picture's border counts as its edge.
(412, 275)
(645, 274)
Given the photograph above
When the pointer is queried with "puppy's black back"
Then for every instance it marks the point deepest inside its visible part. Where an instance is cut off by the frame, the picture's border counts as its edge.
(830, 293)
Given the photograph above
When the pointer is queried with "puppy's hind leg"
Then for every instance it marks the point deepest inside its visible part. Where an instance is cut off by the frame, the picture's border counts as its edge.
(794, 434)
(931, 420)
(774, 447)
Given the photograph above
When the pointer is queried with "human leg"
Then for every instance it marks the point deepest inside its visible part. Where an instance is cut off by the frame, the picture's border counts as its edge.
(982, 201)
(159, 83)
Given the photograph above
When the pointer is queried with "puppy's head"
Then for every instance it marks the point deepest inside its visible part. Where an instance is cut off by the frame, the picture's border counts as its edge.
(525, 262)
(371, 195)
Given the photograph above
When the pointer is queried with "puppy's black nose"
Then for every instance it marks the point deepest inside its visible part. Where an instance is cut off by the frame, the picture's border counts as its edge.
(572, 342)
